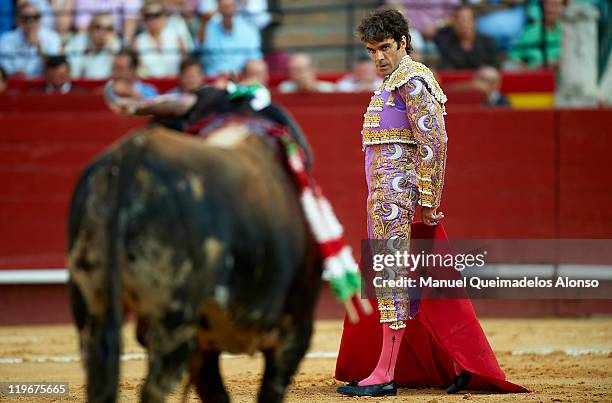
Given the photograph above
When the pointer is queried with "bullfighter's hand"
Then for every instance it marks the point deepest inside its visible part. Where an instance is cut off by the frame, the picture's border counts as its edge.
(430, 216)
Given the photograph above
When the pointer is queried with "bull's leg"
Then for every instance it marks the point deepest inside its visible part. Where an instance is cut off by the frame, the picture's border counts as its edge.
(207, 379)
(78, 306)
(99, 349)
(281, 364)
(168, 351)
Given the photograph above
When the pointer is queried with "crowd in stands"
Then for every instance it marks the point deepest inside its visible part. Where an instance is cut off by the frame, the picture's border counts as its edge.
(469, 34)
(195, 39)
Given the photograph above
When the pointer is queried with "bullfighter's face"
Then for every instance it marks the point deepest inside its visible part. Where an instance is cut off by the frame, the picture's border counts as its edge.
(387, 54)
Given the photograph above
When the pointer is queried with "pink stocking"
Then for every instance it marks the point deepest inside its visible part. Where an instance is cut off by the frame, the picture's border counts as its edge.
(385, 369)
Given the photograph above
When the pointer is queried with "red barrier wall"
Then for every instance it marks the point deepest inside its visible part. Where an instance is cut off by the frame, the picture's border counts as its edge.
(523, 174)
(41, 155)
(510, 174)
(520, 81)
(585, 177)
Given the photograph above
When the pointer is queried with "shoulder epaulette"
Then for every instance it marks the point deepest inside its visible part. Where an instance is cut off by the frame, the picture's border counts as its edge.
(409, 69)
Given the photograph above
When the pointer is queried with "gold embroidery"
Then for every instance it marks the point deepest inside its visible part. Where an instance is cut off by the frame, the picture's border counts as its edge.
(388, 316)
(397, 325)
(376, 104)
(408, 69)
(425, 172)
(426, 186)
(426, 200)
(385, 304)
(381, 136)
(371, 120)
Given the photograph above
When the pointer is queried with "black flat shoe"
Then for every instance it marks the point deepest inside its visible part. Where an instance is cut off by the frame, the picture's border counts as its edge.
(461, 382)
(380, 389)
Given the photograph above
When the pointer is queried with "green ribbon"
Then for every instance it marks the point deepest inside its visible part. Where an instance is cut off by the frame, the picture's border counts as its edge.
(244, 91)
(344, 287)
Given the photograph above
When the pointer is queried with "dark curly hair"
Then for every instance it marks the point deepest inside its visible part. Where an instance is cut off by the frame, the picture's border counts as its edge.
(384, 23)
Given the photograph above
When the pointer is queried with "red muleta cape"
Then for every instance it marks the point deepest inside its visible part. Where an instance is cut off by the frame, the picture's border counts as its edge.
(443, 332)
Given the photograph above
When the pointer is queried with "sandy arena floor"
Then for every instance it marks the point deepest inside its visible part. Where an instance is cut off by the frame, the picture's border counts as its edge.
(561, 360)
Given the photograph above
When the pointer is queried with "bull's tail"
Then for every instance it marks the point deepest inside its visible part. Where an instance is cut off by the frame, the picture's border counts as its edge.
(103, 378)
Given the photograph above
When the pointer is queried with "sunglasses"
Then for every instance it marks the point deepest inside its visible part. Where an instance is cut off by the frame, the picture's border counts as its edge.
(108, 28)
(150, 16)
(30, 18)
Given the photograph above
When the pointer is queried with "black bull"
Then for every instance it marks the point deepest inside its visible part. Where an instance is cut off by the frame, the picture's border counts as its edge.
(207, 243)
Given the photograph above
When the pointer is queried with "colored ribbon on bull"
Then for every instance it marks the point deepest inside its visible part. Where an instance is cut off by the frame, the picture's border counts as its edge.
(340, 269)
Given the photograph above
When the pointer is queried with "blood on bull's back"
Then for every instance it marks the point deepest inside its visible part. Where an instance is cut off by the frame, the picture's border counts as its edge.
(206, 242)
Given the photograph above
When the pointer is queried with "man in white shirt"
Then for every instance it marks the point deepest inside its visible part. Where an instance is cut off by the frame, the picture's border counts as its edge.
(303, 77)
(22, 50)
(363, 77)
(161, 47)
(91, 53)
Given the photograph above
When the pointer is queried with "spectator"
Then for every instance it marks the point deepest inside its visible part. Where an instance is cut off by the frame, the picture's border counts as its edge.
(363, 78)
(126, 83)
(229, 41)
(255, 71)
(254, 11)
(528, 49)
(503, 20)
(303, 77)
(6, 15)
(22, 49)
(419, 46)
(187, 10)
(422, 43)
(47, 18)
(62, 11)
(461, 47)
(426, 16)
(487, 80)
(180, 17)
(125, 13)
(3, 78)
(91, 53)
(190, 77)
(57, 77)
(161, 48)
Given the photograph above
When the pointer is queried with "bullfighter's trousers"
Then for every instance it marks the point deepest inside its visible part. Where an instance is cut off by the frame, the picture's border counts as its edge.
(392, 197)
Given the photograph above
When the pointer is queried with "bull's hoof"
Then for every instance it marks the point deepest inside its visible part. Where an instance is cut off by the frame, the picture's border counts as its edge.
(460, 382)
(380, 389)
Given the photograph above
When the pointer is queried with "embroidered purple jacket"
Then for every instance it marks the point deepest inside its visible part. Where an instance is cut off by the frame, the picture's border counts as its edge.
(408, 107)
